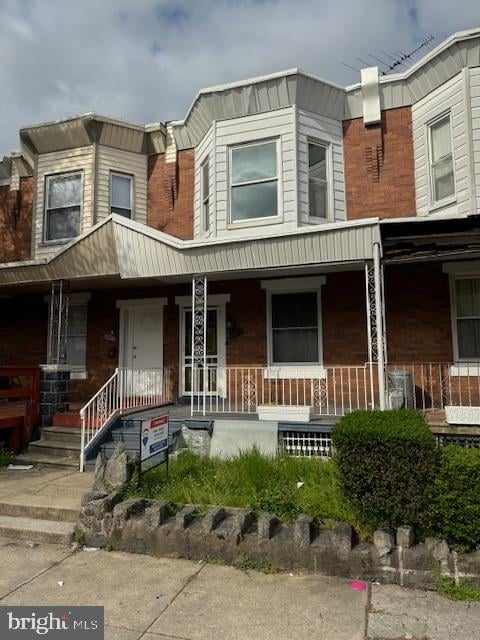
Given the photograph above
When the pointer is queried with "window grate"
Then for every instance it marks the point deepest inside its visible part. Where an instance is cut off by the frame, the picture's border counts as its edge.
(301, 444)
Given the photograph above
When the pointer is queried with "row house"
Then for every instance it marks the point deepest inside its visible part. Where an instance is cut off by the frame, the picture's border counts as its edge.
(290, 243)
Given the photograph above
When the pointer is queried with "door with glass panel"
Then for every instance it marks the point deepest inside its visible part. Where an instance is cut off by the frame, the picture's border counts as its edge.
(213, 347)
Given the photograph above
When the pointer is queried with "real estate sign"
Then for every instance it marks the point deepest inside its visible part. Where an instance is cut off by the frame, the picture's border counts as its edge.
(153, 442)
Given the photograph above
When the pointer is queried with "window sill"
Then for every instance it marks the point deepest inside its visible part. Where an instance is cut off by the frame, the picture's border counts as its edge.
(291, 372)
(442, 204)
(78, 374)
(466, 369)
(255, 222)
(56, 243)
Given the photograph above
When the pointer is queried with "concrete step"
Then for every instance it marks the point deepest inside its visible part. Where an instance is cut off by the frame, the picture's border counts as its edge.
(40, 458)
(36, 530)
(55, 448)
(62, 434)
(40, 507)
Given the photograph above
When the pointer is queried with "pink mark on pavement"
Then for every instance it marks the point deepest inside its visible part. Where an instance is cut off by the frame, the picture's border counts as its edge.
(358, 585)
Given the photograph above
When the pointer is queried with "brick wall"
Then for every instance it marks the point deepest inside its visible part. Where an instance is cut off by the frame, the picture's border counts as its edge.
(23, 330)
(16, 222)
(379, 166)
(170, 194)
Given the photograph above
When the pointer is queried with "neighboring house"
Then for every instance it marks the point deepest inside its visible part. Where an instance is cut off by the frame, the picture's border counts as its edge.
(331, 235)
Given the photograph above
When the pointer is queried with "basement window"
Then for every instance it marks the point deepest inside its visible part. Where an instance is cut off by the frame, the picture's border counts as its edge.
(63, 206)
(121, 190)
(253, 181)
(442, 178)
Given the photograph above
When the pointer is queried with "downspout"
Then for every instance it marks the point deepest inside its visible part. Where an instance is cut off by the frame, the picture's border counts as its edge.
(380, 322)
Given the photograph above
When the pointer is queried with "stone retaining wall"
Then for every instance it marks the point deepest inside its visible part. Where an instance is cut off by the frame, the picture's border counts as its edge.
(228, 534)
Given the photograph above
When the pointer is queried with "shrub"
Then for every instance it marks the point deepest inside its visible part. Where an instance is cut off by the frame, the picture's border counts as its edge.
(386, 461)
(5, 456)
(456, 497)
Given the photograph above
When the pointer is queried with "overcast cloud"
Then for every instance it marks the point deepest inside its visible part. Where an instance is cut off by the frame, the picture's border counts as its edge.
(144, 60)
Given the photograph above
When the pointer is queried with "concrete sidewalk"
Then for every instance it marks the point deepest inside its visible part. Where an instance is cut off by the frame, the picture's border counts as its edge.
(155, 598)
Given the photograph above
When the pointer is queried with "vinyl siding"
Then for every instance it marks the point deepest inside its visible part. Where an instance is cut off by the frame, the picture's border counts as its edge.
(204, 149)
(475, 111)
(449, 97)
(277, 125)
(134, 164)
(311, 126)
(80, 159)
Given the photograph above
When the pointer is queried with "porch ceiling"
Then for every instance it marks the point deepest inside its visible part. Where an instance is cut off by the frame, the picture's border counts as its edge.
(130, 251)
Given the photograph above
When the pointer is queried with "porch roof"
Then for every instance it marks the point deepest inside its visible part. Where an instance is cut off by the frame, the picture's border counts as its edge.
(129, 250)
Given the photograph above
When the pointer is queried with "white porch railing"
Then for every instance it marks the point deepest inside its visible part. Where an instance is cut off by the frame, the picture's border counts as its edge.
(332, 391)
(126, 389)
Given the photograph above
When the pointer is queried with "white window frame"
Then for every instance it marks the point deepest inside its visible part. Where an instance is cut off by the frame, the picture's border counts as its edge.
(132, 191)
(329, 180)
(205, 196)
(46, 209)
(253, 222)
(438, 204)
(454, 318)
(294, 370)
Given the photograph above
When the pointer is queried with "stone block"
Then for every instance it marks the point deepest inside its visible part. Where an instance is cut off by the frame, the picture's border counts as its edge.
(405, 536)
(125, 510)
(185, 517)
(267, 524)
(341, 539)
(114, 473)
(383, 541)
(241, 523)
(301, 531)
(156, 515)
(213, 518)
(91, 496)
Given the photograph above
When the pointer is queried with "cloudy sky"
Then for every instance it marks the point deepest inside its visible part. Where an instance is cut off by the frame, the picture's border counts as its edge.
(144, 60)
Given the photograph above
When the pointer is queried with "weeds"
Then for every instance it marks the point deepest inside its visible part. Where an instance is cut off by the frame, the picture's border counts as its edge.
(448, 588)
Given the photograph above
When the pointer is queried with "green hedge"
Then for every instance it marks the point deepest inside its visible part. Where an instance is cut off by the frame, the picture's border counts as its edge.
(386, 461)
(456, 497)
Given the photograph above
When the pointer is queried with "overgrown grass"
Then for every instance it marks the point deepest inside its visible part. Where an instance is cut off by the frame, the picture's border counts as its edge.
(253, 481)
(448, 588)
(5, 456)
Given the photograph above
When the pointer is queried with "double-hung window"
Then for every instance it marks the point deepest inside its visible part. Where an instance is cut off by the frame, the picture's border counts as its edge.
(467, 318)
(205, 195)
(63, 204)
(442, 177)
(317, 180)
(294, 328)
(77, 336)
(253, 181)
(121, 187)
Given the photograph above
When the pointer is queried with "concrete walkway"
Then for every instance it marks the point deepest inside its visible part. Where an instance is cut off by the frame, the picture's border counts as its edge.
(159, 598)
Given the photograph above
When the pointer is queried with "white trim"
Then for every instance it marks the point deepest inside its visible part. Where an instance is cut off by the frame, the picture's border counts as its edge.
(265, 220)
(131, 177)
(294, 285)
(291, 372)
(205, 221)
(462, 268)
(215, 299)
(433, 204)
(141, 302)
(453, 319)
(459, 370)
(47, 178)
(329, 179)
(287, 285)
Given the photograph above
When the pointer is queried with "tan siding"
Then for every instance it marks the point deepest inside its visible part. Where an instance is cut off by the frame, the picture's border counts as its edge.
(204, 149)
(134, 164)
(80, 159)
(449, 97)
(475, 111)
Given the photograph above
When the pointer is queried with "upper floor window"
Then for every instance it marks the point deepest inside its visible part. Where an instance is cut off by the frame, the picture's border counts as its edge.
(121, 186)
(467, 318)
(62, 206)
(253, 181)
(317, 180)
(205, 195)
(441, 160)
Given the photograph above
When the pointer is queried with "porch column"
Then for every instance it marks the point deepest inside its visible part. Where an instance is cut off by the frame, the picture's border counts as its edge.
(199, 336)
(55, 374)
(375, 302)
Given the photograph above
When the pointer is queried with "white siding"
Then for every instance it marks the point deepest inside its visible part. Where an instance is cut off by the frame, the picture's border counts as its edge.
(133, 164)
(204, 149)
(475, 111)
(80, 159)
(278, 125)
(311, 126)
(449, 97)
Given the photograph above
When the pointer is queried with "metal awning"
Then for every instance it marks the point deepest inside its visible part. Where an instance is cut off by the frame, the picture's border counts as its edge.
(129, 250)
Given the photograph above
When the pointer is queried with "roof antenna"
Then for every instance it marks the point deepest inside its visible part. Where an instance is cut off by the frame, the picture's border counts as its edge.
(402, 57)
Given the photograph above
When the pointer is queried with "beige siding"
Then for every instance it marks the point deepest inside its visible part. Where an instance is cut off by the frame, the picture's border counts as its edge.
(204, 149)
(277, 125)
(475, 111)
(80, 159)
(449, 97)
(134, 164)
(311, 126)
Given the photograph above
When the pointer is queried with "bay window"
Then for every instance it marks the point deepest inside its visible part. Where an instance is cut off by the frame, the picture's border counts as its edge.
(121, 187)
(253, 181)
(442, 179)
(63, 203)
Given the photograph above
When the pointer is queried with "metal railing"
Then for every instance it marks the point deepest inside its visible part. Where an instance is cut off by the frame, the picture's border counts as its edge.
(125, 389)
(332, 390)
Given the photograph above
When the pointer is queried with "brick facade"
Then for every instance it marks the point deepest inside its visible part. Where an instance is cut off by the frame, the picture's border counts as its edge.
(170, 194)
(16, 222)
(379, 166)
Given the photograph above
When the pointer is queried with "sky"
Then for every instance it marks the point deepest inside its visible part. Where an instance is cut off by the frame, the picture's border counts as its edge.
(145, 60)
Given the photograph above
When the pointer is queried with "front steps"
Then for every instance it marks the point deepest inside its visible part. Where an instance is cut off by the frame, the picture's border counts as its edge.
(58, 446)
(33, 518)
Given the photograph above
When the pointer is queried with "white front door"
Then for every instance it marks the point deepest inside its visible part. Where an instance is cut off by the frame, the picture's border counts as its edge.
(215, 352)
